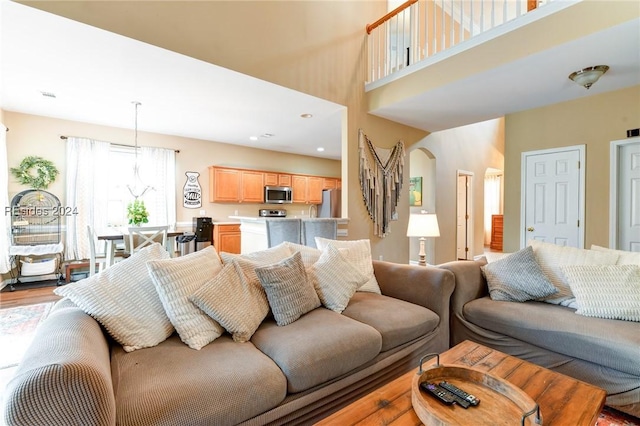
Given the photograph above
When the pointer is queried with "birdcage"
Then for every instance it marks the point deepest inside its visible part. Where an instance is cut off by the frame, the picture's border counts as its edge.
(35, 218)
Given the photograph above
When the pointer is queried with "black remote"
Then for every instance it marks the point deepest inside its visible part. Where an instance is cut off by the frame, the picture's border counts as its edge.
(460, 393)
(436, 391)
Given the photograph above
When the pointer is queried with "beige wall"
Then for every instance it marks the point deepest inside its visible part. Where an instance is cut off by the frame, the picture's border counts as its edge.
(316, 47)
(473, 148)
(594, 121)
(35, 135)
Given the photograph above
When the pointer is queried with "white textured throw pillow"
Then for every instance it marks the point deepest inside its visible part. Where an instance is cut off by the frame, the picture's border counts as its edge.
(335, 279)
(359, 254)
(289, 292)
(551, 257)
(517, 278)
(124, 300)
(236, 303)
(606, 291)
(177, 279)
(310, 255)
(626, 257)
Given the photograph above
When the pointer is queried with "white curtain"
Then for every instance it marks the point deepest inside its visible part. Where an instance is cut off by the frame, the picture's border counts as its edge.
(492, 202)
(158, 169)
(5, 224)
(87, 178)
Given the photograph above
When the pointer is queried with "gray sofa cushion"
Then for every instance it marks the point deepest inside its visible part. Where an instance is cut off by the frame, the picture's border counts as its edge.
(614, 344)
(396, 320)
(319, 346)
(170, 384)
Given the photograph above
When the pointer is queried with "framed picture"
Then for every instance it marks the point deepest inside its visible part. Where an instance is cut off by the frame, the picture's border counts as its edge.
(415, 191)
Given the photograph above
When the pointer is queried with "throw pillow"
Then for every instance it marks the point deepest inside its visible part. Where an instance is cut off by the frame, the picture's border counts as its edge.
(310, 255)
(263, 257)
(289, 292)
(124, 300)
(626, 257)
(517, 278)
(606, 291)
(359, 254)
(551, 257)
(177, 279)
(230, 299)
(335, 279)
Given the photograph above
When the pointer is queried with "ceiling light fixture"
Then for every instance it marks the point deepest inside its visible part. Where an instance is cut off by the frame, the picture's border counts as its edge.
(136, 190)
(588, 76)
(306, 115)
(320, 149)
(253, 138)
(48, 94)
(268, 135)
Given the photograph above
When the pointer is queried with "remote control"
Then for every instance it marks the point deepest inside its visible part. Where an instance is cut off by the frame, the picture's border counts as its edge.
(460, 393)
(436, 391)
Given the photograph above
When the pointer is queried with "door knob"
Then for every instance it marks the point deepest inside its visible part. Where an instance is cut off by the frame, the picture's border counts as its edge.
(530, 229)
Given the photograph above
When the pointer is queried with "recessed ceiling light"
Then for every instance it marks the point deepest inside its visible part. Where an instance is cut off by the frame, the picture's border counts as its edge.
(306, 115)
(253, 138)
(48, 94)
(320, 149)
(268, 135)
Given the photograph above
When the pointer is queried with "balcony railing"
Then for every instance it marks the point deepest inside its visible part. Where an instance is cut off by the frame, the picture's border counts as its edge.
(420, 29)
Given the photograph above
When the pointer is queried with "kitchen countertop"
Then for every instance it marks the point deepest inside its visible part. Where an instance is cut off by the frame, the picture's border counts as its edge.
(262, 219)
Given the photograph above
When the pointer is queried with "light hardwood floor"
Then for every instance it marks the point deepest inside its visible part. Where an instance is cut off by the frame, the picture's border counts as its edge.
(30, 296)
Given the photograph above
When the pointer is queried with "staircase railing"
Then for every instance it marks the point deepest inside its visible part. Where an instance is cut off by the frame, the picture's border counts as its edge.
(419, 29)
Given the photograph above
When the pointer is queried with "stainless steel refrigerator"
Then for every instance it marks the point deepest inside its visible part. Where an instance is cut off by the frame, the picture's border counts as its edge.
(330, 207)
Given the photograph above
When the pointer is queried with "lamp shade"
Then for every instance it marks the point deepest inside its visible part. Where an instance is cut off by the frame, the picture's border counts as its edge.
(423, 225)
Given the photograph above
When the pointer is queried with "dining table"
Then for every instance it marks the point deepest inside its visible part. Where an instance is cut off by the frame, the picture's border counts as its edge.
(114, 235)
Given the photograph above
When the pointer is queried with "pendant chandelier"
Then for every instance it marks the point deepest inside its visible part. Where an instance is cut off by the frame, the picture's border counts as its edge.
(138, 188)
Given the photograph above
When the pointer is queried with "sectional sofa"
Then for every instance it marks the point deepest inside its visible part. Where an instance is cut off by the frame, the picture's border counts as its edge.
(589, 328)
(91, 365)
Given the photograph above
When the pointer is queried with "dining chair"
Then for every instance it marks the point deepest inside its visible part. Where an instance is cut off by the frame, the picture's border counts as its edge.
(312, 228)
(281, 230)
(139, 237)
(95, 257)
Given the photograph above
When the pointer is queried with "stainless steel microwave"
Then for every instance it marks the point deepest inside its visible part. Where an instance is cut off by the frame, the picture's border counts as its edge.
(277, 195)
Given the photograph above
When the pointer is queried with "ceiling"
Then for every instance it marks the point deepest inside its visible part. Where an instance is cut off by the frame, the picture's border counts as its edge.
(95, 76)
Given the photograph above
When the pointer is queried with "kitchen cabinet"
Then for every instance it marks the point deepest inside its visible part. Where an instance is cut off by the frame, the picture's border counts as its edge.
(277, 179)
(224, 185)
(330, 183)
(307, 189)
(235, 185)
(252, 187)
(226, 237)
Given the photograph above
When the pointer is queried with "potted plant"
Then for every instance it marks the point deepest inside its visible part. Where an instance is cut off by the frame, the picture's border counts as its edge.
(137, 213)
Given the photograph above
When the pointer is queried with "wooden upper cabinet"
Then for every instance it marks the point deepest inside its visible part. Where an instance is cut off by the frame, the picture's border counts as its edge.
(330, 183)
(314, 190)
(252, 187)
(277, 179)
(299, 188)
(224, 185)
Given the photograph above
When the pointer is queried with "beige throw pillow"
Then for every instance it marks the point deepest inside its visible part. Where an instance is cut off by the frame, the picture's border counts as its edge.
(177, 279)
(335, 279)
(237, 304)
(124, 300)
(626, 257)
(551, 257)
(289, 292)
(606, 291)
(359, 255)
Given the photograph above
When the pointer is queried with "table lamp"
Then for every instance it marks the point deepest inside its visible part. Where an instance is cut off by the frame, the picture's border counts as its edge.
(423, 225)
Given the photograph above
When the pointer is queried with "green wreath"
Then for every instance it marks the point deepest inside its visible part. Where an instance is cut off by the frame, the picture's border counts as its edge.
(46, 172)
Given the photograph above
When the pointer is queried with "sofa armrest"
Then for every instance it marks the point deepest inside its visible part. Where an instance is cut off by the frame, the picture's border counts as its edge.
(470, 282)
(64, 377)
(422, 285)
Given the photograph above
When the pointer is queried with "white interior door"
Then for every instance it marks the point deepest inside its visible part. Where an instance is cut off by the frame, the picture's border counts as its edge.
(553, 196)
(625, 194)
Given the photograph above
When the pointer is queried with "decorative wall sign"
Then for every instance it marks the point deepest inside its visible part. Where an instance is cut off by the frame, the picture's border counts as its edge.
(415, 191)
(192, 191)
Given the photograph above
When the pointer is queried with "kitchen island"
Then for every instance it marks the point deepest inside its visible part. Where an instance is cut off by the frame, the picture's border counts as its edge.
(253, 230)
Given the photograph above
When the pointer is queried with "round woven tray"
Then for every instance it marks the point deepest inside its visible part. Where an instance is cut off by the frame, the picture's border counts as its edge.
(501, 403)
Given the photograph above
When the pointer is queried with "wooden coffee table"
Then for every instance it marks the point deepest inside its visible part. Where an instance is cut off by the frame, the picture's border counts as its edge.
(562, 399)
